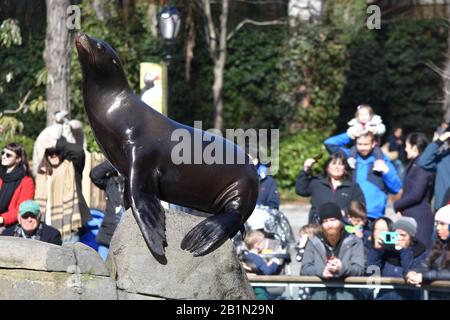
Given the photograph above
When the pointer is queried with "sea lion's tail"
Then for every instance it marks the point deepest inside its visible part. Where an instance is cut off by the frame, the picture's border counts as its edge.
(211, 233)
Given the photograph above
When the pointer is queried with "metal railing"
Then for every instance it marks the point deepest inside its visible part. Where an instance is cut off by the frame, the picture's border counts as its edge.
(373, 283)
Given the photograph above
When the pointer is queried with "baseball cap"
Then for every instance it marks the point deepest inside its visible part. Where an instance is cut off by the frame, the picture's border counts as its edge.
(29, 206)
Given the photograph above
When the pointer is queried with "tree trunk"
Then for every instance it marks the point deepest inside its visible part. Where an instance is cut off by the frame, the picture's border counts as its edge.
(190, 39)
(446, 77)
(152, 17)
(101, 10)
(57, 57)
(219, 66)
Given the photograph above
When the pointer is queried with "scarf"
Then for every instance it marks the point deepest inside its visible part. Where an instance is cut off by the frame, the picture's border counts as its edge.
(57, 197)
(10, 183)
(19, 232)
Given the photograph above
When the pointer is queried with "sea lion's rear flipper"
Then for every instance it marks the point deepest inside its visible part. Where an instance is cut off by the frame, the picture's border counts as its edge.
(211, 233)
(149, 215)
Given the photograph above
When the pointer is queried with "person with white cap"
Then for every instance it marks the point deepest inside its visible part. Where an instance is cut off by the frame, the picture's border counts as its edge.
(396, 260)
(437, 264)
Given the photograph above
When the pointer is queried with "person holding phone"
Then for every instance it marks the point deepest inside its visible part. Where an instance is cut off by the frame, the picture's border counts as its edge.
(437, 264)
(335, 185)
(396, 260)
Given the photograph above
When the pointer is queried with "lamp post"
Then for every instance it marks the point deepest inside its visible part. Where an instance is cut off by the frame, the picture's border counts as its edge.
(169, 20)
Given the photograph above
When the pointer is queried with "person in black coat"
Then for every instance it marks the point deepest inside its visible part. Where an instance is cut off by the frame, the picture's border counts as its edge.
(105, 177)
(30, 225)
(336, 185)
(417, 190)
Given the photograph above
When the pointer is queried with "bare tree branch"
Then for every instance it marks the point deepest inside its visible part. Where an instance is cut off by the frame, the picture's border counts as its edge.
(257, 23)
(22, 105)
(438, 70)
(211, 31)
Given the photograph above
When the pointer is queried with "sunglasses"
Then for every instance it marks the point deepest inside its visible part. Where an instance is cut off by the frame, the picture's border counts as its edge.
(51, 153)
(8, 154)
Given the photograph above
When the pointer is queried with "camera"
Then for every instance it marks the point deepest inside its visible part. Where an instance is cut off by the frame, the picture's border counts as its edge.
(389, 237)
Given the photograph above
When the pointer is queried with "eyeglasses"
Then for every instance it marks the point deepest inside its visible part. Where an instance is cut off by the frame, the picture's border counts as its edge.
(8, 154)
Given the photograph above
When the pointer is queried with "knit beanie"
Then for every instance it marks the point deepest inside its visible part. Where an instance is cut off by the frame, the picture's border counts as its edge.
(407, 224)
(443, 214)
(329, 210)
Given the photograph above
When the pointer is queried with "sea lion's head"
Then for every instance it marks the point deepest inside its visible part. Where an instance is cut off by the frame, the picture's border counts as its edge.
(99, 61)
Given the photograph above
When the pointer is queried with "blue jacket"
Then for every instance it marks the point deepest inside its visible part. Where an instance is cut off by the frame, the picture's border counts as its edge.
(260, 264)
(374, 186)
(432, 159)
(268, 194)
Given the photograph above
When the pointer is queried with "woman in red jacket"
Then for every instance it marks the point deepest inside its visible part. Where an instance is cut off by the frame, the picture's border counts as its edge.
(16, 183)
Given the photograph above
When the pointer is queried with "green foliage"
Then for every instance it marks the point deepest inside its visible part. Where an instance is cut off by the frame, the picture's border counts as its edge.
(92, 144)
(408, 47)
(313, 76)
(10, 33)
(9, 127)
(294, 150)
(250, 81)
(388, 70)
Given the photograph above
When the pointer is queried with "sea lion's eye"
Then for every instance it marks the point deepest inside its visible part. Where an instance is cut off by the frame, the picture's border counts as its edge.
(100, 47)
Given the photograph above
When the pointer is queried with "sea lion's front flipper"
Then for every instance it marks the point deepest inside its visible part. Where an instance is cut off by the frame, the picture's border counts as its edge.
(149, 215)
(211, 233)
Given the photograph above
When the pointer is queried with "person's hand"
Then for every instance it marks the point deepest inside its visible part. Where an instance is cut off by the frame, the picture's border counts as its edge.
(414, 278)
(276, 260)
(445, 136)
(326, 273)
(398, 214)
(48, 143)
(378, 242)
(303, 240)
(308, 164)
(335, 265)
(381, 166)
(401, 242)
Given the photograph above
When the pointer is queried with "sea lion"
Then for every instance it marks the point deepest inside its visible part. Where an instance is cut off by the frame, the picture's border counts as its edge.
(137, 141)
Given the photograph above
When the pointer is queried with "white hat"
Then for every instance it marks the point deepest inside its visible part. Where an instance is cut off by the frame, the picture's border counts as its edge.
(443, 214)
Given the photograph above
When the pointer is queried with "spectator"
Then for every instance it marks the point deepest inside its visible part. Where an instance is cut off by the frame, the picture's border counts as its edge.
(332, 254)
(335, 185)
(417, 190)
(107, 178)
(305, 233)
(397, 260)
(380, 225)
(268, 194)
(16, 183)
(58, 188)
(30, 226)
(251, 258)
(374, 185)
(365, 120)
(437, 264)
(395, 150)
(357, 223)
(437, 160)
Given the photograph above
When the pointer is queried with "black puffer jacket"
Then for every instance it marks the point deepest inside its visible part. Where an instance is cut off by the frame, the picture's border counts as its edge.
(106, 178)
(320, 190)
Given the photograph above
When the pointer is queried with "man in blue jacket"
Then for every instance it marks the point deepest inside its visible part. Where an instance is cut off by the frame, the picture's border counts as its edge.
(375, 177)
(436, 157)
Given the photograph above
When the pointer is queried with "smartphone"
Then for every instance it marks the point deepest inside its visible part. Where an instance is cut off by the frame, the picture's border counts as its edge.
(352, 229)
(389, 237)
